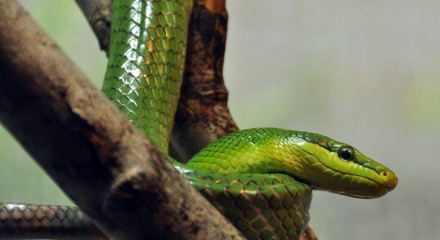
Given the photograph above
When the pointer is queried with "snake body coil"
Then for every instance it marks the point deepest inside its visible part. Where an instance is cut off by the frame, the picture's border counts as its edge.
(261, 179)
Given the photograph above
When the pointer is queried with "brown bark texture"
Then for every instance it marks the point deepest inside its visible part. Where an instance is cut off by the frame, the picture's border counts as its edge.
(203, 115)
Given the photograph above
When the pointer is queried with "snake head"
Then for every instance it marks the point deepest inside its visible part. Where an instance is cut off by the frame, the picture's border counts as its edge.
(340, 168)
(312, 158)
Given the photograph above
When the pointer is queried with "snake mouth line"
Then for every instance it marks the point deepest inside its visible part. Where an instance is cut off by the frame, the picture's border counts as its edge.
(380, 189)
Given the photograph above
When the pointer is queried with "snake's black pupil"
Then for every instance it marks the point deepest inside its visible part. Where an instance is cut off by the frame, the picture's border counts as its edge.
(346, 153)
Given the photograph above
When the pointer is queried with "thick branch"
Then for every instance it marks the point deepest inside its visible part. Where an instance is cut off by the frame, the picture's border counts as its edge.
(203, 115)
(108, 168)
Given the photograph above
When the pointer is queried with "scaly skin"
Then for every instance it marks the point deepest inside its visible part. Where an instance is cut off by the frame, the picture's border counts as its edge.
(261, 179)
(146, 61)
(31, 221)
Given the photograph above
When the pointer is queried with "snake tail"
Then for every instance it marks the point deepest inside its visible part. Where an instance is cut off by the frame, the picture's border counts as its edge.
(31, 221)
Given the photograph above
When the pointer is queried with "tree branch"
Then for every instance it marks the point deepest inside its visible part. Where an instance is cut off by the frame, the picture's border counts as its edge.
(99, 15)
(101, 161)
(203, 115)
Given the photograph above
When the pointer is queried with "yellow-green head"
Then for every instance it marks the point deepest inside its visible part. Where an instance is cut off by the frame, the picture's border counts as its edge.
(315, 159)
(340, 168)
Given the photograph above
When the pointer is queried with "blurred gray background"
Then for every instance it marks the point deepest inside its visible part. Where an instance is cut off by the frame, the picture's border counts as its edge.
(363, 72)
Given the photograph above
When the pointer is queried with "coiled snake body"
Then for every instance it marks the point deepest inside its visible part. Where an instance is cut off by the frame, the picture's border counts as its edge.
(261, 179)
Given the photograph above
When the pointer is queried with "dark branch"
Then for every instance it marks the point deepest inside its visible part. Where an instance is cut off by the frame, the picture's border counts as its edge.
(203, 115)
(98, 14)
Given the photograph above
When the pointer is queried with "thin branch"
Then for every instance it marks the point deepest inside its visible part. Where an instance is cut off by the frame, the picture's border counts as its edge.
(98, 14)
(101, 161)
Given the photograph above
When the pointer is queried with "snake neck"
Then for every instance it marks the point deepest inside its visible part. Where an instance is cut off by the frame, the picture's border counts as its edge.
(146, 61)
(263, 150)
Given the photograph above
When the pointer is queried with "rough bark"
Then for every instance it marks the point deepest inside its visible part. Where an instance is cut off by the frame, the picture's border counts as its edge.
(203, 115)
(101, 161)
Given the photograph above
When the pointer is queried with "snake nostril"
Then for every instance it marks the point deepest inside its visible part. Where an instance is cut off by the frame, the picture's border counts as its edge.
(384, 173)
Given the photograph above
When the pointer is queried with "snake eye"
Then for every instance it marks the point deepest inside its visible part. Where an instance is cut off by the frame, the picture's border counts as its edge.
(346, 153)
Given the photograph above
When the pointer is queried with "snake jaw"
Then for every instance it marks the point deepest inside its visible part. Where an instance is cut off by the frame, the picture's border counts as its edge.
(370, 189)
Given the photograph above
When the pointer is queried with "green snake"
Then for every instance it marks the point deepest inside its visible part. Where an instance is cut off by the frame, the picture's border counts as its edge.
(261, 179)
